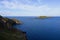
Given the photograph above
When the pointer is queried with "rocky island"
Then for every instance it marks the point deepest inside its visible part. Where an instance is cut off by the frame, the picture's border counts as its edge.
(42, 17)
(8, 32)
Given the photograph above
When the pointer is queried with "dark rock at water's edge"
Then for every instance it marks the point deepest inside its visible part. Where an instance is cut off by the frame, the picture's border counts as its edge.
(7, 32)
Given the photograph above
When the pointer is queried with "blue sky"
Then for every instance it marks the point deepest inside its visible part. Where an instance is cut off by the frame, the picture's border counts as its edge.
(30, 7)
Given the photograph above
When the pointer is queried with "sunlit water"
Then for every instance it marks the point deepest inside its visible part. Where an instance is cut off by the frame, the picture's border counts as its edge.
(40, 29)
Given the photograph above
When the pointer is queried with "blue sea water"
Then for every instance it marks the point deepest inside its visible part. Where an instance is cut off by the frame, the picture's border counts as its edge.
(40, 29)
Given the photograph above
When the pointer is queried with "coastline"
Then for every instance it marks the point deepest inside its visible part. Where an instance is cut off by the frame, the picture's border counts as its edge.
(7, 32)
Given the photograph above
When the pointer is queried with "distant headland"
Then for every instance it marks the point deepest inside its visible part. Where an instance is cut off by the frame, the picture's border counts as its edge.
(42, 17)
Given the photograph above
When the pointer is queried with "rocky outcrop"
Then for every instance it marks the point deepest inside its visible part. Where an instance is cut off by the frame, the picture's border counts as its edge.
(8, 32)
(16, 21)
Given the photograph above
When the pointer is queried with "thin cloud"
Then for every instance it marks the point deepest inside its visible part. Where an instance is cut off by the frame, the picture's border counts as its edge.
(16, 5)
(27, 8)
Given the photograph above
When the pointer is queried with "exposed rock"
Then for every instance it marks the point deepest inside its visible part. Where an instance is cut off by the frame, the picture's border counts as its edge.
(7, 32)
(17, 21)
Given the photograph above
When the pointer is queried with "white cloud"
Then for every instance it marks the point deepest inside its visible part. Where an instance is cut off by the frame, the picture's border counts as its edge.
(16, 5)
(34, 10)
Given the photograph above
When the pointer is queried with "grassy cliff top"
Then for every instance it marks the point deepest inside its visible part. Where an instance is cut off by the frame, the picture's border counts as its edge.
(7, 32)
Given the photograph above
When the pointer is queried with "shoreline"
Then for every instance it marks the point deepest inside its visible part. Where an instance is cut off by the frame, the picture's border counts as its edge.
(7, 32)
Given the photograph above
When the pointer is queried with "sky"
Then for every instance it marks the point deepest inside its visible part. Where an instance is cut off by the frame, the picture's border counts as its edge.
(30, 7)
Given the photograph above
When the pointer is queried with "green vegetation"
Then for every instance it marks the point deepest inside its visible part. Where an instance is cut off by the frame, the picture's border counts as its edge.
(42, 17)
(8, 32)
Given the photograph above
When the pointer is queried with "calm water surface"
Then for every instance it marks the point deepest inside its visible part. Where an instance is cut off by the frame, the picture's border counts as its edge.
(40, 29)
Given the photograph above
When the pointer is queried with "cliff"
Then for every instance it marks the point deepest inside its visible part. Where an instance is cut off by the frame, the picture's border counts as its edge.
(8, 32)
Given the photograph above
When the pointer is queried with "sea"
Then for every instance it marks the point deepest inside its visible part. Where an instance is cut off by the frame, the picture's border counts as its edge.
(40, 29)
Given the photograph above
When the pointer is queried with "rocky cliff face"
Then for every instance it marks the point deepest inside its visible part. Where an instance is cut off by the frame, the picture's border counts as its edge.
(7, 32)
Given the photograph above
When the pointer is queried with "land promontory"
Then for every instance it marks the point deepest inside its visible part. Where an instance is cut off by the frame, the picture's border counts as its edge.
(7, 30)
